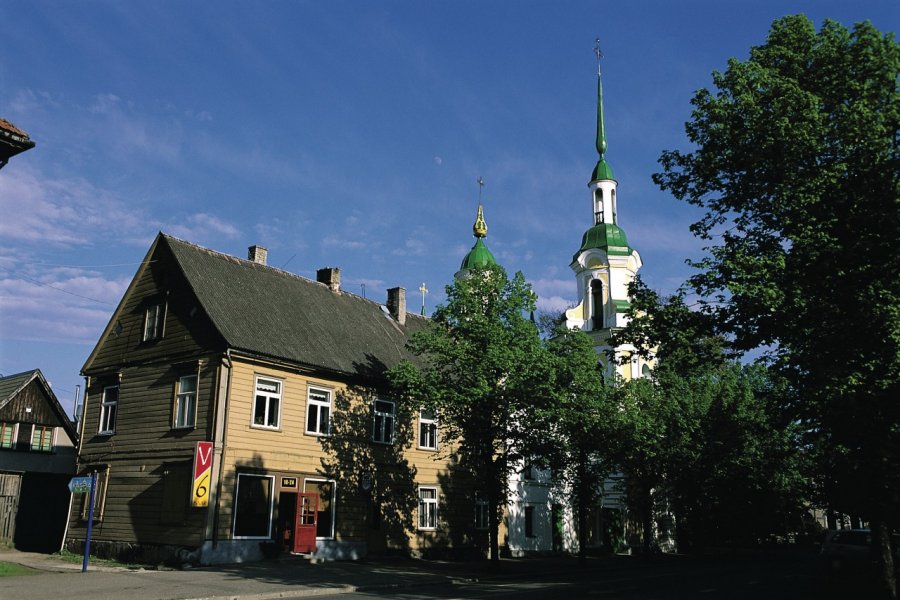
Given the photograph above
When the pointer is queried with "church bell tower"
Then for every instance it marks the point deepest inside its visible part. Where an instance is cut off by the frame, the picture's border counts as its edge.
(605, 264)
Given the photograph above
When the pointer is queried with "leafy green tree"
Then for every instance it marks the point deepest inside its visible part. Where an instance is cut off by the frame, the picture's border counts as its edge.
(482, 365)
(796, 160)
(644, 449)
(728, 448)
(669, 331)
(578, 420)
(736, 476)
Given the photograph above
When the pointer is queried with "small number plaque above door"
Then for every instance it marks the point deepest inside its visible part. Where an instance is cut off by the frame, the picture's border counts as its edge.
(289, 482)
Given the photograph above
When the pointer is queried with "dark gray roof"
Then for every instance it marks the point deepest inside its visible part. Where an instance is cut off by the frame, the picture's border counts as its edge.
(267, 311)
(11, 384)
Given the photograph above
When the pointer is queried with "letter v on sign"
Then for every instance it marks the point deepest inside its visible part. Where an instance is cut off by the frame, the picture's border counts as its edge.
(202, 472)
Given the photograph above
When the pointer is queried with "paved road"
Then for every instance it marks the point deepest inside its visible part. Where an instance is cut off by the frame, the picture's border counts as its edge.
(740, 579)
(791, 575)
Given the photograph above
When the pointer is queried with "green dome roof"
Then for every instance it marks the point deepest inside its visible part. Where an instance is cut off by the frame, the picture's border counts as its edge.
(607, 237)
(602, 171)
(478, 256)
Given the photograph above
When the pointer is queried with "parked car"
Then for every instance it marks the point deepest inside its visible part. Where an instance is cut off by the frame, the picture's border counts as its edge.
(851, 549)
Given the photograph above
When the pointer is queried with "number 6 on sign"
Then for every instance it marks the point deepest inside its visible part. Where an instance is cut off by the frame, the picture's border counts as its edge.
(202, 473)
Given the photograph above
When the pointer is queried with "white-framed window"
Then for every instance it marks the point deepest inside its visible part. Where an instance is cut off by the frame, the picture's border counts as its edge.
(482, 513)
(318, 411)
(154, 319)
(427, 429)
(7, 435)
(383, 428)
(109, 406)
(267, 403)
(42, 438)
(428, 508)
(185, 411)
(254, 502)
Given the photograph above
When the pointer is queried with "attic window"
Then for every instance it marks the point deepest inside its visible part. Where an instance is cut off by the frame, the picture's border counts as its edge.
(42, 438)
(154, 319)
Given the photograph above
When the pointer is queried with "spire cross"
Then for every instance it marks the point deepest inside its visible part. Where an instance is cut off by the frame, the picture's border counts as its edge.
(480, 187)
(424, 291)
(598, 53)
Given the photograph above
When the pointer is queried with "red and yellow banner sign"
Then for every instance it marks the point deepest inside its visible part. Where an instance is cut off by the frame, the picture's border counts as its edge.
(202, 474)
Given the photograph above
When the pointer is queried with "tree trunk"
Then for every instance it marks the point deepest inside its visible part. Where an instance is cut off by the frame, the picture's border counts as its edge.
(881, 544)
(581, 483)
(495, 524)
(648, 520)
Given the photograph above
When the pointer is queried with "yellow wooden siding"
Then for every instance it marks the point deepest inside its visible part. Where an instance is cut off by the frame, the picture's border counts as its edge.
(289, 451)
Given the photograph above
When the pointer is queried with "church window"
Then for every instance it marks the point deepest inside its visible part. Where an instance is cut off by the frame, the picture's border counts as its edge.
(529, 521)
(597, 303)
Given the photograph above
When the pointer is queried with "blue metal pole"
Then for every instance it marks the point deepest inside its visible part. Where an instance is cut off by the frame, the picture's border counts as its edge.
(90, 524)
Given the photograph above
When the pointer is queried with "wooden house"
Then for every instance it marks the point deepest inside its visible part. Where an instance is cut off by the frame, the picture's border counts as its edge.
(37, 460)
(233, 409)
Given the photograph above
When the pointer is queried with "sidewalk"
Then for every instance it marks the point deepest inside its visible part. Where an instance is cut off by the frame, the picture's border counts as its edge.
(288, 578)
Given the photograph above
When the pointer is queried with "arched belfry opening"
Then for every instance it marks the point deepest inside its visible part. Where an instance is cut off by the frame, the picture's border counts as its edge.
(598, 206)
(597, 303)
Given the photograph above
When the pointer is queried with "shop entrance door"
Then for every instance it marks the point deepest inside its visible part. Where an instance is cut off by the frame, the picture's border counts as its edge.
(307, 519)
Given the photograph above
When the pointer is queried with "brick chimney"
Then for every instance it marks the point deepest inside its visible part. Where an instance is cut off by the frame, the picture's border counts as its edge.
(330, 276)
(257, 254)
(396, 304)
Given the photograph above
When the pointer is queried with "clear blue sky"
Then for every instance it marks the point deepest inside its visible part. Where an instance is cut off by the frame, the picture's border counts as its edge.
(344, 134)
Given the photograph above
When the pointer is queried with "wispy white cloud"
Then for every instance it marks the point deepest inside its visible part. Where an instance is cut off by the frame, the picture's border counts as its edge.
(553, 303)
(336, 241)
(553, 293)
(62, 212)
(199, 115)
(57, 305)
(412, 247)
(648, 233)
(203, 228)
(104, 104)
(72, 212)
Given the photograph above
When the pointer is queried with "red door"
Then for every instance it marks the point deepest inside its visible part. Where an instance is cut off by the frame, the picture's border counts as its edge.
(307, 515)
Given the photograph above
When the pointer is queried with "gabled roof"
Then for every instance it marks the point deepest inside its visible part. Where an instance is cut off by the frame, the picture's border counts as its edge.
(11, 385)
(263, 310)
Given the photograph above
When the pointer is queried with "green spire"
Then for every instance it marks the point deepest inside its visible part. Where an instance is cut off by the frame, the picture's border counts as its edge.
(601, 131)
(602, 170)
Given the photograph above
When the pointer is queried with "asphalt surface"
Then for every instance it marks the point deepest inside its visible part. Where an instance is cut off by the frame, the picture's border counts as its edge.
(791, 575)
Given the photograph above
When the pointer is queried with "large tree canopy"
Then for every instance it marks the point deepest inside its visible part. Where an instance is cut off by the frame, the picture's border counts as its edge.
(796, 161)
(482, 367)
